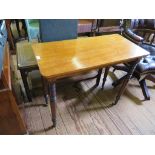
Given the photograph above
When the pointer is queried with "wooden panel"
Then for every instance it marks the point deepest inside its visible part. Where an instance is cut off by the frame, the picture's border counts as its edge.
(10, 118)
(64, 58)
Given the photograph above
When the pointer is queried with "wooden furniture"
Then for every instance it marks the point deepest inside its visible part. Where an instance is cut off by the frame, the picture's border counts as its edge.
(10, 118)
(87, 26)
(26, 63)
(32, 28)
(10, 35)
(108, 26)
(17, 21)
(3, 38)
(141, 32)
(67, 58)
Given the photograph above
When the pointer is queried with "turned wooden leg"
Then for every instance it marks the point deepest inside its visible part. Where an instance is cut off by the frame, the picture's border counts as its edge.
(98, 77)
(52, 89)
(125, 82)
(144, 89)
(45, 89)
(105, 76)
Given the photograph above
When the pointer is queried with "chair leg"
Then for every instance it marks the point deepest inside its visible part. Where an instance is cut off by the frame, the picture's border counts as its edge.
(105, 76)
(151, 78)
(144, 89)
(98, 77)
(119, 81)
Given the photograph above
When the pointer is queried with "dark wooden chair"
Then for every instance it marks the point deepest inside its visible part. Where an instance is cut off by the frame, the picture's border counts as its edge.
(17, 21)
(108, 26)
(141, 32)
(87, 27)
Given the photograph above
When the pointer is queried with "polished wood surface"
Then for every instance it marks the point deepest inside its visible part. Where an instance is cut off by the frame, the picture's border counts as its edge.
(10, 118)
(65, 58)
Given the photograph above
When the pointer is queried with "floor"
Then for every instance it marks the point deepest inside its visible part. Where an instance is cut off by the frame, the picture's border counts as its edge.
(84, 110)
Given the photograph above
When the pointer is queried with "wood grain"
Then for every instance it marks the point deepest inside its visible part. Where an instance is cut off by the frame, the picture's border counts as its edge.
(11, 121)
(65, 58)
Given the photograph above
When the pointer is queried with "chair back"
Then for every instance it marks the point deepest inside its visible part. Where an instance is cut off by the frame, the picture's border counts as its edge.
(108, 22)
(141, 27)
(140, 23)
(57, 29)
(108, 26)
(32, 26)
(3, 39)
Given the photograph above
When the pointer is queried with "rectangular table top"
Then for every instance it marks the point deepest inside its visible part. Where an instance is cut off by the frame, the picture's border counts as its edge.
(65, 58)
(25, 55)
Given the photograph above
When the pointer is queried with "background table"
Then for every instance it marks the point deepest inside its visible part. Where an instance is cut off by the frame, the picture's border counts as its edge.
(26, 63)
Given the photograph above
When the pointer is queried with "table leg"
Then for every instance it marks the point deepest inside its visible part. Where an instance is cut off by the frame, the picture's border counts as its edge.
(45, 89)
(52, 92)
(126, 80)
(26, 86)
(105, 76)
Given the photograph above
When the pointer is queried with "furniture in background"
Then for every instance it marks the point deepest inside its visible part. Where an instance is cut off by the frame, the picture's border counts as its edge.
(108, 26)
(50, 30)
(10, 35)
(32, 26)
(26, 63)
(141, 32)
(82, 55)
(57, 29)
(17, 21)
(11, 121)
(87, 26)
(12, 40)
(3, 38)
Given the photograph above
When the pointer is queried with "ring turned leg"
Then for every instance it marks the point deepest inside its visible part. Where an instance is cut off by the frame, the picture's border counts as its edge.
(52, 89)
(125, 82)
(45, 89)
(105, 76)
